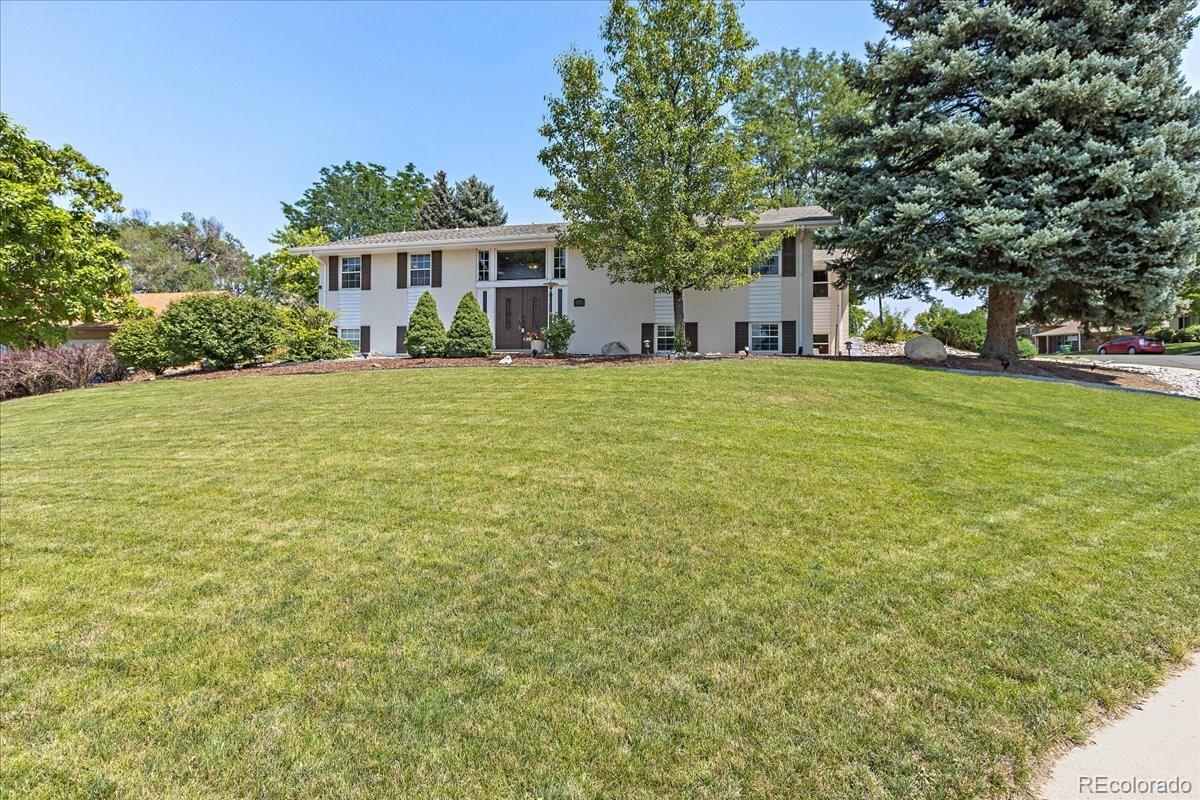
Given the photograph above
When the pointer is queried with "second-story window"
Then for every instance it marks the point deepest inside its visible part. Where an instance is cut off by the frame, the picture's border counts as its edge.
(352, 273)
(820, 283)
(770, 266)
(484, 259)
(560, 262)
(420, 269)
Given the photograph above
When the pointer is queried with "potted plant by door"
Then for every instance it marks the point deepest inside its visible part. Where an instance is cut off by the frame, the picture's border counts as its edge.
(537, 345)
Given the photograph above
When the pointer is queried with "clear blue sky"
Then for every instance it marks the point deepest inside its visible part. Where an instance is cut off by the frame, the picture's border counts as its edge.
(226, 109)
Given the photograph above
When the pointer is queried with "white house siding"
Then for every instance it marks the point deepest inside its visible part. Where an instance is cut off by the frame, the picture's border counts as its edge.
(349, 308)
(610, 312)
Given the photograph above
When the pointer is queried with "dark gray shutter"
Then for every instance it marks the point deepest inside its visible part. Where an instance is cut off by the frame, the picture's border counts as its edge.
(366, 271)
(789, 257)
(333, 274)
(401, 332)
(789, 337)
(692, 331)
(741, 336)
(647, 336)
(435, 271)
(364, 334)
(401, 270)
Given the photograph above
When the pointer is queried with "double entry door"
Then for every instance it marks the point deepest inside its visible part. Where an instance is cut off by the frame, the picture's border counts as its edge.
(519, 309)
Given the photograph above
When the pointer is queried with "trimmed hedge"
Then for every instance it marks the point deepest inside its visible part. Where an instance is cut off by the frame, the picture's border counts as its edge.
(140, 344)
(426, 336)
(469, 334)
(222, 329)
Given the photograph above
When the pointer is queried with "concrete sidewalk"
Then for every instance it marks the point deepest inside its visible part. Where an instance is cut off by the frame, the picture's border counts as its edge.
(1152, 752)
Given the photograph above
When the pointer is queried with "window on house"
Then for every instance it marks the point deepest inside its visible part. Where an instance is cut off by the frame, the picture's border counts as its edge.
(560, 262)
(820, 283)
(821, 343)
(351, 335)
(420, 269)
(770, 266)
(352, 273)
(664, 338)
(485, 301)
(484, 260)
(764, 337)
(516, 265)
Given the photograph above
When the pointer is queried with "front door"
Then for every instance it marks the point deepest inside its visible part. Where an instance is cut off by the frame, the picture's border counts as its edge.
(518, 309)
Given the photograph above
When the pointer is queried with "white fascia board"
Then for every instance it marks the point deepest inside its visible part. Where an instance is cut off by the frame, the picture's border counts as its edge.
(541, 238)
(429, 244)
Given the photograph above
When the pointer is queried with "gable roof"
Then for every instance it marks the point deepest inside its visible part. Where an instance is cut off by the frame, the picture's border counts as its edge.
(158, 301)
(813, 216)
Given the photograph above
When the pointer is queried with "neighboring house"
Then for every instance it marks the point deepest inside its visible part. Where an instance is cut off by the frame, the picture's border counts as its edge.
(1182, 321)
(1051, 338)
(85, 334)
(520, 277)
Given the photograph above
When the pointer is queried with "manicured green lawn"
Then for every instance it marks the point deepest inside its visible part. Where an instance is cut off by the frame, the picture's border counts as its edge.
(737, 579)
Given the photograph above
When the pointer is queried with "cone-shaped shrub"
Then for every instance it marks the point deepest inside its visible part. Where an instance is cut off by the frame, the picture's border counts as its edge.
(469, 334)
(426, 337)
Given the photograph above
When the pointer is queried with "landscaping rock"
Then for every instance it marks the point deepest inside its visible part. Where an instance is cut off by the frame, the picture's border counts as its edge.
(924, 348)
(614, 349)
(505, 361)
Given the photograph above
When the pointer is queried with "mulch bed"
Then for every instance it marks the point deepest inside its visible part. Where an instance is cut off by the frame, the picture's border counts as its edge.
(358, 364)
(1044, 369)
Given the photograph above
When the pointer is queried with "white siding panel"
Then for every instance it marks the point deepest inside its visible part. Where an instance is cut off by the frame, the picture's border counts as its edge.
(764, 300)
(349, 308)
(664, 309)
(414, 294)
(821, 314)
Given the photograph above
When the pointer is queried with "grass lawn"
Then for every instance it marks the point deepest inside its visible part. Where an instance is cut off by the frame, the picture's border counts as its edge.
(775, 578)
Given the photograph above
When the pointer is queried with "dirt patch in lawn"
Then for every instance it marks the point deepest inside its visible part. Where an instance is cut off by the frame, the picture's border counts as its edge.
(1037, 368)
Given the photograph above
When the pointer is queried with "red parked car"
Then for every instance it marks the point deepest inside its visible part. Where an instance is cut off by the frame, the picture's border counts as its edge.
(1131, 345)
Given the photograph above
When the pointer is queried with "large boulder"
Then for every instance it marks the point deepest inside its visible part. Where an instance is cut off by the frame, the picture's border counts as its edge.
(614, 349)
(924, 348)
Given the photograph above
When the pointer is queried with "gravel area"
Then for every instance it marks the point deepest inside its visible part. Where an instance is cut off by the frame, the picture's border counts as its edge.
(883, 350)
(1184, 382)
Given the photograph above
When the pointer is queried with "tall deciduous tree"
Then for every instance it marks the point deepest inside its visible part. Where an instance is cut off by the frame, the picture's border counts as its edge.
(649, 173)
(788, 112)
(356, 199)
(59, 260)
(438, 211)
(282, 276)
(193, 254)
(476, 206)
(1047, 147)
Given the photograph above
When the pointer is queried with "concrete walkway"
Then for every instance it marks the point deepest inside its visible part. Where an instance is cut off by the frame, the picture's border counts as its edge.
(1152, 752)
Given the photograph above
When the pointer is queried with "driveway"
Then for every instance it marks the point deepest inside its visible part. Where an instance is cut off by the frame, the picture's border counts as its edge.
(1179, 362)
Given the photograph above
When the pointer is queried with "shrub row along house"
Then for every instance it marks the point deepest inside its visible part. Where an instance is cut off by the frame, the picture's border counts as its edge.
(521, 277)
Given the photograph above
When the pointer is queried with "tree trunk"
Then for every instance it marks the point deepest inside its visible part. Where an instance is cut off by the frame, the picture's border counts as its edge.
(677, 303)
(1003, 304)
